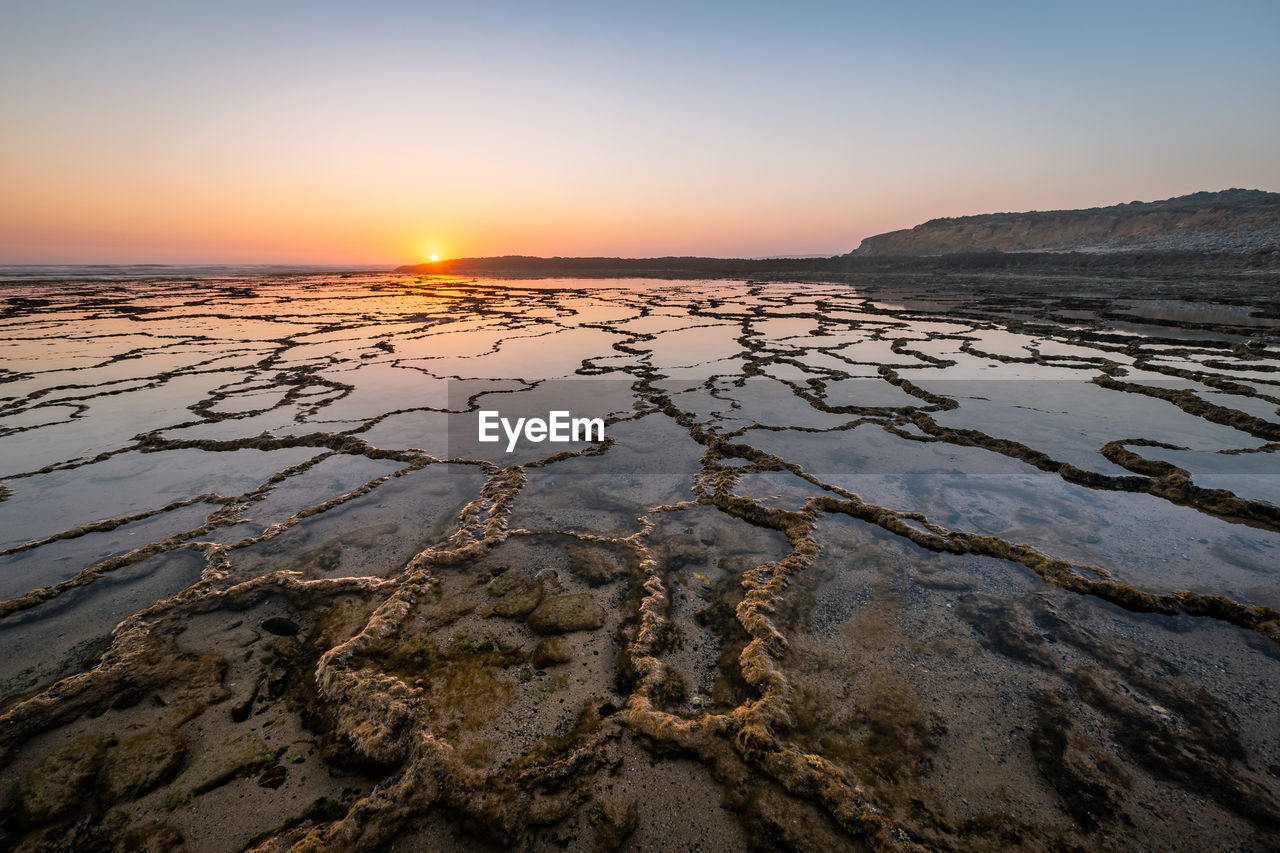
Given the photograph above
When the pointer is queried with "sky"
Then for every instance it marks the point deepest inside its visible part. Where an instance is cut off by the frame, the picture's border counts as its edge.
(384, 132)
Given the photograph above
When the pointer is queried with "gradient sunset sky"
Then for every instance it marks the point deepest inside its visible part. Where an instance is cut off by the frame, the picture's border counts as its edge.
(224, 132)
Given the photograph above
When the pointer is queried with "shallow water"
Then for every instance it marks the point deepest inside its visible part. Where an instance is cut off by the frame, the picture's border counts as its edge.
(855, 566)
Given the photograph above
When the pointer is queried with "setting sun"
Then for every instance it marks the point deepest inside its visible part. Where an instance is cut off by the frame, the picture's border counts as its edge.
(435, 258)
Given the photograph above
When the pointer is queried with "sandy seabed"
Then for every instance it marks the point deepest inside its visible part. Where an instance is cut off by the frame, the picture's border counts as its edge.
(908, 564)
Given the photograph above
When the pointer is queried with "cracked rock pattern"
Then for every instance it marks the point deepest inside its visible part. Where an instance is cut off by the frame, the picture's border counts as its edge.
(902, 566)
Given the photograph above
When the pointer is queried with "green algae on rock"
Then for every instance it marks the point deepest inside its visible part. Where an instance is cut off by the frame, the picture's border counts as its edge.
(142, 763)
(565, 613)
(62, 783)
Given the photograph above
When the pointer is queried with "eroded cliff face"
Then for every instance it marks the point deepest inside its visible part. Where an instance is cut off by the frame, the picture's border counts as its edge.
(1231, 220)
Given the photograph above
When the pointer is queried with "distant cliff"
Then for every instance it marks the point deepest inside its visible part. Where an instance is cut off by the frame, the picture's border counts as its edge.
(1237, 221)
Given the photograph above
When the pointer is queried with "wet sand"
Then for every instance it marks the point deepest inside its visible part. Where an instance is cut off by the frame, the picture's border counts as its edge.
(900, 564)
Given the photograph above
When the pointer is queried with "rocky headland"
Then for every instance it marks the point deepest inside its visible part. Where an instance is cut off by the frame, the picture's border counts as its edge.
(1235, 220)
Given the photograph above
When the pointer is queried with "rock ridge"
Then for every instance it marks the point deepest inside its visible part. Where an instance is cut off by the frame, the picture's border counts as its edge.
(1233, 220)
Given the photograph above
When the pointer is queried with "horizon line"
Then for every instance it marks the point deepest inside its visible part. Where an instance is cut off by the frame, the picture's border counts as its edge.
(392, 264)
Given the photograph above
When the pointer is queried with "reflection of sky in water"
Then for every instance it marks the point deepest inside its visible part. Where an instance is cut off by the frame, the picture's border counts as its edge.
(305, 423)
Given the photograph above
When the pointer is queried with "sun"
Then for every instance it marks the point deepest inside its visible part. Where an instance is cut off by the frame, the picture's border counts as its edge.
(435, 258)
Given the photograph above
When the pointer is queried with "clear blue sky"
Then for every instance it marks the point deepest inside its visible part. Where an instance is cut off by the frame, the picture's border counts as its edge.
(150, 131)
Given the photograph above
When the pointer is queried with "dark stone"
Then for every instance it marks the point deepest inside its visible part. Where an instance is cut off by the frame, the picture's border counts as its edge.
(273, 778)
(280, 627)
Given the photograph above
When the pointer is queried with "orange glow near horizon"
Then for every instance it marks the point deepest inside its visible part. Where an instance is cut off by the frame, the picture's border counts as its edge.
(198, 133)
(54, 220)
(258, 204)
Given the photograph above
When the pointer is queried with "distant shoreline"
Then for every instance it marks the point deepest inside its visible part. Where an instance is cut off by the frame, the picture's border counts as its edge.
(1168, 264)
(1173, 265)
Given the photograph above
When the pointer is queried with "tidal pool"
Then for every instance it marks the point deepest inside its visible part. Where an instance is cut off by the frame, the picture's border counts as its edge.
(895, 564)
